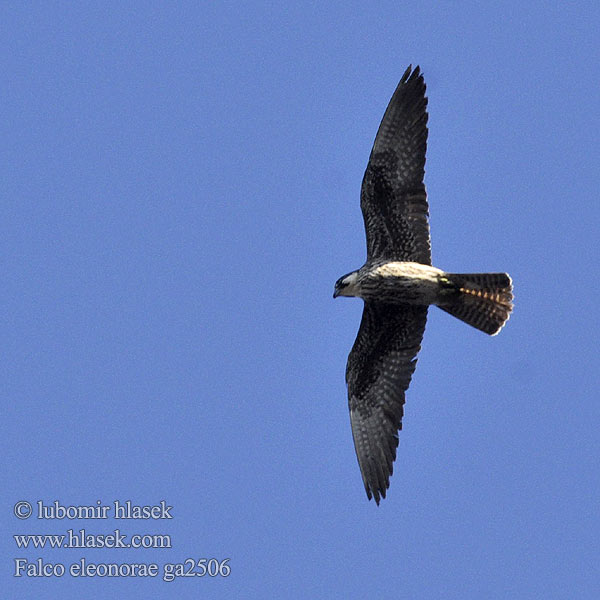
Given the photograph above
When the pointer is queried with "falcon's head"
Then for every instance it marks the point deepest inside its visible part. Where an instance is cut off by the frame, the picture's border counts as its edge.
(346, 285)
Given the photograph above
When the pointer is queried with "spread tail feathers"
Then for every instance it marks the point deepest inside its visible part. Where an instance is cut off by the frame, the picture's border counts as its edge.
(483, 300)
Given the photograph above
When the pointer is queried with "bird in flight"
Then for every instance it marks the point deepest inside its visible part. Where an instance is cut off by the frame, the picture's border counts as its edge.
(398, 283)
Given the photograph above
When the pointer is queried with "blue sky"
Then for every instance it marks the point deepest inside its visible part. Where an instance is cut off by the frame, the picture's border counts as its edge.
(180, 191)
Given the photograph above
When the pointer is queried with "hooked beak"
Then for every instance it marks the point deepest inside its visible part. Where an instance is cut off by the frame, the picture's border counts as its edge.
(335, 293)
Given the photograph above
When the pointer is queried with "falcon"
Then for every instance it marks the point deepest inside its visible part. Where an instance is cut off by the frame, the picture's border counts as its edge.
(398, 283)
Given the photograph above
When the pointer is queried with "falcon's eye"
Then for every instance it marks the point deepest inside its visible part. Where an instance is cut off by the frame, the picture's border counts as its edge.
(345, 281)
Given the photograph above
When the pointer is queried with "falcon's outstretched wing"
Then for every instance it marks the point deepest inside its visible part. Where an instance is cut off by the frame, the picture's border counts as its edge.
(393, 198)
(378, 373)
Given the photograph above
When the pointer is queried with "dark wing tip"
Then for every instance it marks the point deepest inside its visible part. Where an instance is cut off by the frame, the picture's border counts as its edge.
(404, 123)
(414, 81)
(377, 488)
(411, 74)
(377, 494)
(417, 80)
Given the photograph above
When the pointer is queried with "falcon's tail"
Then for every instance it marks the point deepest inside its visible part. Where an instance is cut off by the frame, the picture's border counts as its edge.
(483, 300)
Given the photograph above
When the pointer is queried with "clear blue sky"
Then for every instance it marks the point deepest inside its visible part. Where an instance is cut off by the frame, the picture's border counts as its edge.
(180, 191)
